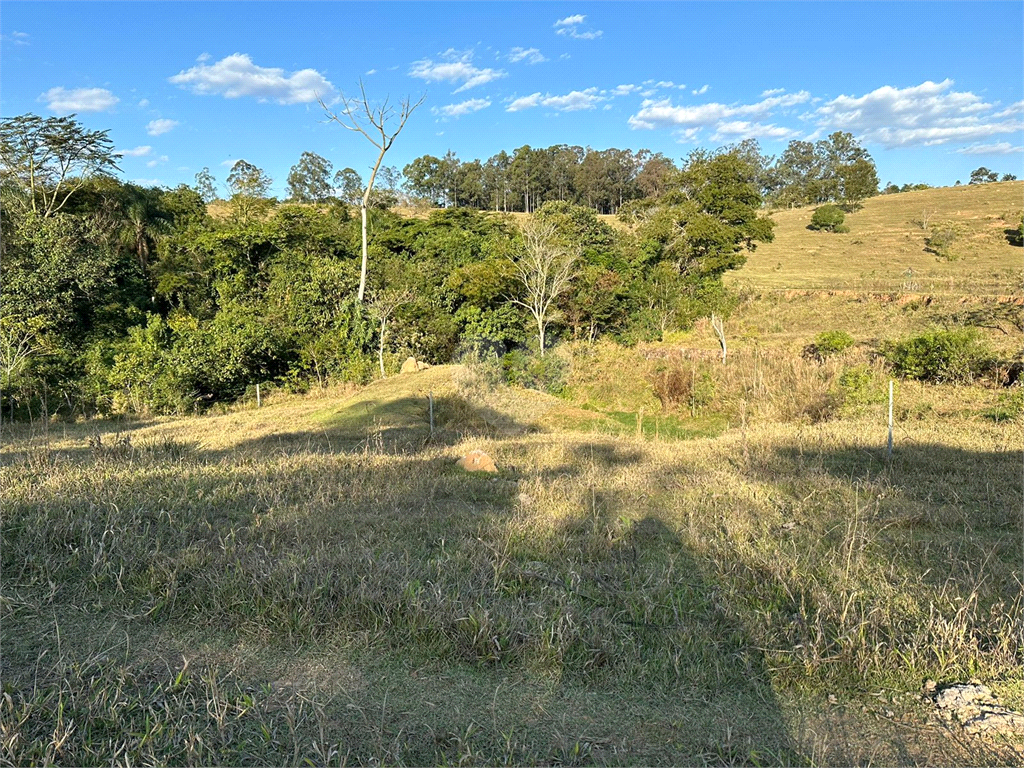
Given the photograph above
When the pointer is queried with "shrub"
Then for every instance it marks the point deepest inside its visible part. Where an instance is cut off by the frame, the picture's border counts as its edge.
(545, 374)
(829, 218)
(942, 239)
(956, 356)
(678, 388)
(859, 386)
(832, 343)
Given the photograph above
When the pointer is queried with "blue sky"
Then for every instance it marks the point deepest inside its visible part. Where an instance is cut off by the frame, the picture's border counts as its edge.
(933, 90)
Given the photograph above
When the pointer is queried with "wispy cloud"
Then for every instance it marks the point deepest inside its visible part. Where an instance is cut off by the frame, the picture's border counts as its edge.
(79, 99)
(663, 113)
(371, 71)
(704, 89)
(571, 21)
(928, 114)
(570, 102)
(143, 103)
(455, 67)
(137, 152)
(17, 38)
(462, 108)
(161, 126)
(570, 27)
(157, 161)
(236, 75)
(624, 90)
(998, 148)
(529, 55)
(737, 130)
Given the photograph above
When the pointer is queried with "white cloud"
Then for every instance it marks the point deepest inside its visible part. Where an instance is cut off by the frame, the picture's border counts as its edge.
(530, 55)
(624, 90)
(457, 67)
(236, 75)
(737, 130)
(570, 102)
(570, 21)
(144, 103)
(137, 152)
(687, 135)
(524, 102)
(161, 126)
(663, 113)
(157, 161)
(772, 92)
(923, 115)
(79, 99)
(371, 71)
(570, 26)
(999, 148)
(18, 38)
(704, 89)
(462, 108)
(664, 84)
(203, 57)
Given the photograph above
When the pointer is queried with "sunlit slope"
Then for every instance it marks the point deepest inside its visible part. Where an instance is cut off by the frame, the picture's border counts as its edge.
(885, 247)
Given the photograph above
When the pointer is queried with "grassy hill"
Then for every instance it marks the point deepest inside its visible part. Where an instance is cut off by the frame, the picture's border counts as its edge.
(679, 562)
(885, 247)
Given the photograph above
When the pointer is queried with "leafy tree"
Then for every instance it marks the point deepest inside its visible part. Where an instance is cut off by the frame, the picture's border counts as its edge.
(348, 186)
(983, 175)
(829, 218)
(309, 180)
(246, 179)
(249, 186)
(1008, 177)
(206, 185)
(50, 159)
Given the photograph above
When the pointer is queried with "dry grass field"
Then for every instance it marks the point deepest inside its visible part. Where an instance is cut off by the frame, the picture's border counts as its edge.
(884, 250)
(678, 562)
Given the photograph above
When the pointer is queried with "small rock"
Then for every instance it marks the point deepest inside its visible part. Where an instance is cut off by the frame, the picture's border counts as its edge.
(410, 365)
(960, 696)
(477, 461)
(998, 720)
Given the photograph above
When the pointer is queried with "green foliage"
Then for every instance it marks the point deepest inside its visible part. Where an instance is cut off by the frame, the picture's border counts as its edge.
(1010, 406)
(45, 161)
(309, 180)
(830, 343)
(983, 175)
(956, 356)
(858, 385)
(545, 374)
(942, 239)
(829, 218)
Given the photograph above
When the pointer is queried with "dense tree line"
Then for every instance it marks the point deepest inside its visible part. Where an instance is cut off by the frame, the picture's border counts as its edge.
(118, 297)
(836, 169)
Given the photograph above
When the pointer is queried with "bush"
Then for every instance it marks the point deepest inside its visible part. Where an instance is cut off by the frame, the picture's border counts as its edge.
(829, 218)
(832, 343)
(683, 388)
(956, 356)
(859, 386)
(545, 374)
(942, 239)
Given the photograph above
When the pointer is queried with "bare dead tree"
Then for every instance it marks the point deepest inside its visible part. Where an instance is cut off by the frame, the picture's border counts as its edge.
(545, 270)
(382, 306)
(372, 121)
(719, 327)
